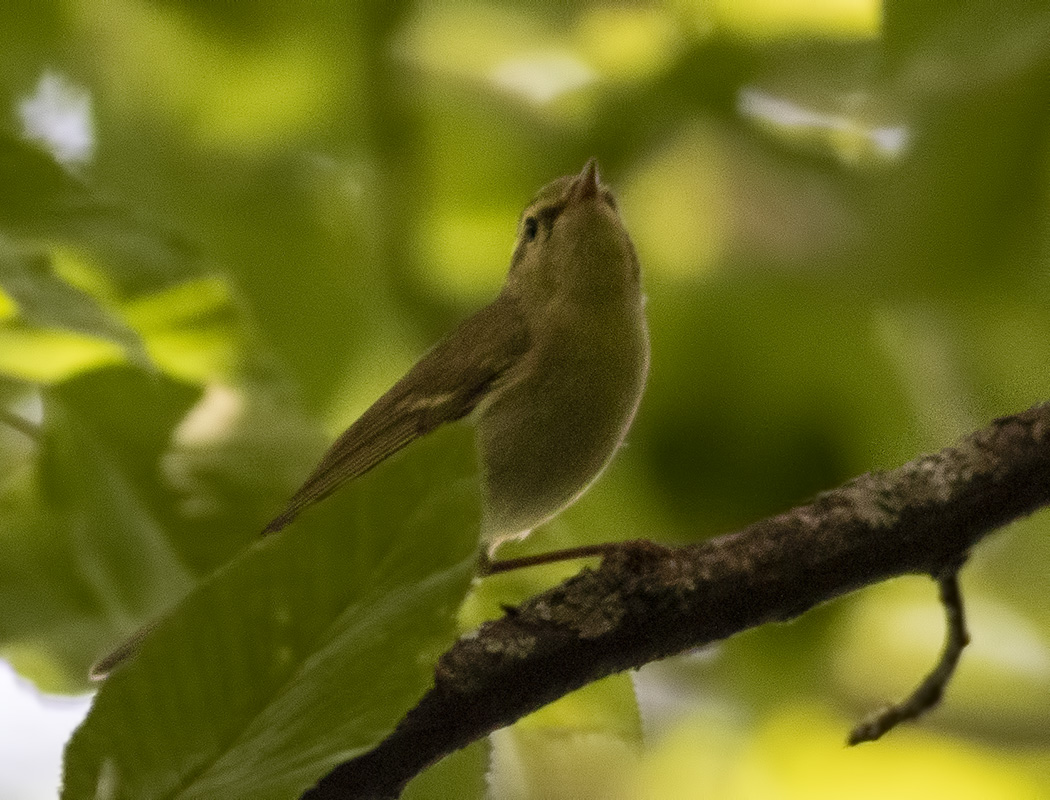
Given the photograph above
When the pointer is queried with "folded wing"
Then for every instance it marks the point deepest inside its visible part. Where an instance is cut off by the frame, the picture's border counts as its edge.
(445, 385)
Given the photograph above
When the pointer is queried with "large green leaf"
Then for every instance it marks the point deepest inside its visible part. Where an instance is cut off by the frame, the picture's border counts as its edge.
(302, 652)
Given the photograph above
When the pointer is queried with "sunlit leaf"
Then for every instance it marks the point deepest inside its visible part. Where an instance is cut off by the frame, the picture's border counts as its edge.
(192, 330)
(46, 301)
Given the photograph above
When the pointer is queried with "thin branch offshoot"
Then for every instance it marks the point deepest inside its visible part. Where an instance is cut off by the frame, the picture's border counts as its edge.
(929, 693)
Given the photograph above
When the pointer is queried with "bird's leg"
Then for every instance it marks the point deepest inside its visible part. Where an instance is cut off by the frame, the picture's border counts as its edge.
(489, 566)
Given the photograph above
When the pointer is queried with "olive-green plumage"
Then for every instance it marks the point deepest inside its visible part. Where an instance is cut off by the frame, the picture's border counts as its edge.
(553, 368)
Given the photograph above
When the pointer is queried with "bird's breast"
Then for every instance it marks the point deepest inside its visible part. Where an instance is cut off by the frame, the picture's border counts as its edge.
(558, 419)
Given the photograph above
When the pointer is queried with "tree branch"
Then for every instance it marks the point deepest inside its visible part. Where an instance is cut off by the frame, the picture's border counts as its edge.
(646, 601)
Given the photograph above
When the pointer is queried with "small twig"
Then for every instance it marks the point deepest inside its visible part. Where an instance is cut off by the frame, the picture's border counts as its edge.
(23, 426)
(929, 692)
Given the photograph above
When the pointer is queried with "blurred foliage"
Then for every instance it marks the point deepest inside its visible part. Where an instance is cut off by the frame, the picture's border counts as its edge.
(301, 653)
(226, 228)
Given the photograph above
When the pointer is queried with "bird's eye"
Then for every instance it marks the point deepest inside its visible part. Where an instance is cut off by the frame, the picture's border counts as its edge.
(531, 228)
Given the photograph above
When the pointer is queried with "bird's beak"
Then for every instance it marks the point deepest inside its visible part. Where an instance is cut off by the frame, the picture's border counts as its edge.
(587, 183)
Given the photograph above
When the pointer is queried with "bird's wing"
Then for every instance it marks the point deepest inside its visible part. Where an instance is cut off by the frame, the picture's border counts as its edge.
(445, 385)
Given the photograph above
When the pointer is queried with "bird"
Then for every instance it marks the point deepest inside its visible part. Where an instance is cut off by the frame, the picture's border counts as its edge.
(551, 372)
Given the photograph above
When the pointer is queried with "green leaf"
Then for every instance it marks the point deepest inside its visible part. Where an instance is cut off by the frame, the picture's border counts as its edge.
(33, 186)
(301, 653)
(42, 200)
(46, 301)
(583, 745)
(460, 774)
(86, 521)
(104, 510)
(136, 412)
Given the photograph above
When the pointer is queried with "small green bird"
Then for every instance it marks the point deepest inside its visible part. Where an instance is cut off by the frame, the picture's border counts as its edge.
(553, 369)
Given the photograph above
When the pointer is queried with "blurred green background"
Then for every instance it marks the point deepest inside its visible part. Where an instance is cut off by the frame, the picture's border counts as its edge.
(226, 228)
